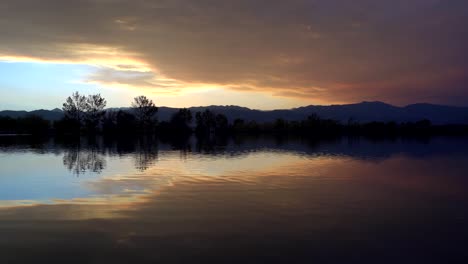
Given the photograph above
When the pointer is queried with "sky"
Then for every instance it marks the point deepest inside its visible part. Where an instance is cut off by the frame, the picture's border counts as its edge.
(263, 54)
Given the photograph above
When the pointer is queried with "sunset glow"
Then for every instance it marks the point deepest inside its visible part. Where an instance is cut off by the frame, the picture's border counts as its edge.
(283, 54)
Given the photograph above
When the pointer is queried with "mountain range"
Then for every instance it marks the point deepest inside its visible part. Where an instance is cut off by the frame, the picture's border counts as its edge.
(359, 112)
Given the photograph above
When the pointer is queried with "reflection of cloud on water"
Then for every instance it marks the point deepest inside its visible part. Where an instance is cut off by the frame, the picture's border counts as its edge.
(290, 180)
(134, 176)
(129, 185)
(134, 185)
(171, 167)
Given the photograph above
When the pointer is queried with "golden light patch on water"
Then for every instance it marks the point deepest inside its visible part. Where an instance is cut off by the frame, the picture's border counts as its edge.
(127, 190)
(255, 174)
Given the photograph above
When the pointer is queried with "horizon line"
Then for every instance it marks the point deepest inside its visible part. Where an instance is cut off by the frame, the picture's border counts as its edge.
(265, 110)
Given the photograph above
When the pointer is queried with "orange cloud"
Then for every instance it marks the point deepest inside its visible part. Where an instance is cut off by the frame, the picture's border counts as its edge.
(299, 49)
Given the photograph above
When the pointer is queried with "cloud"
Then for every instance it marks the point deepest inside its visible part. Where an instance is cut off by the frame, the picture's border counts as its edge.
(127, 77)
(336, 51)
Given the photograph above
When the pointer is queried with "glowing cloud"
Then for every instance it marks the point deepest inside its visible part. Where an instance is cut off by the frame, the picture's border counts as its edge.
(322, 51)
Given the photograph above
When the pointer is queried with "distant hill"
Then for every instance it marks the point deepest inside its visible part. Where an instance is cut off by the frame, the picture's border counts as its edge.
(52, 115)
(360, 112)
(378, 111)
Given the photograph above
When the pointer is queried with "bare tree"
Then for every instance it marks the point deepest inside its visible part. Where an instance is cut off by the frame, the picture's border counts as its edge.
(144, 110)
(84, 110)
(74, 107)
(95, 105)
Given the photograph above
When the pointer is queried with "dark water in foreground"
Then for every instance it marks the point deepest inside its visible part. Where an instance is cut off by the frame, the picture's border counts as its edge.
(245, 201)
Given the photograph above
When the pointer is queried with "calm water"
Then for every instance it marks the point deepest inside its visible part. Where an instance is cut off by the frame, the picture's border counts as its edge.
(233, 201)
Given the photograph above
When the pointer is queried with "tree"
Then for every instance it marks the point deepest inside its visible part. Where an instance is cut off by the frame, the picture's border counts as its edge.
(94, 111)
(30, 124)
(74, 107)
(125, 121)
(120, 122)
(280, 125)
(145, 111)
(180, 121)
(33, 124)
(79, 110)
(209, 123)
(221, 123)
(206, 122)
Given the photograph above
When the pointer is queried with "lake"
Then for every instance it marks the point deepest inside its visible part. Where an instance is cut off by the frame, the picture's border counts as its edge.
(243, 200)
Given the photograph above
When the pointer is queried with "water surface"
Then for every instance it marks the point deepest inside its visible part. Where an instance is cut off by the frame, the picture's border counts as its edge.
(245, 200)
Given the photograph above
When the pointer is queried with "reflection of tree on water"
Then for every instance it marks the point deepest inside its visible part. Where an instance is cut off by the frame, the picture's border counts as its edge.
(89, 154)
(145, 153)
(79, 161)
(84, 156)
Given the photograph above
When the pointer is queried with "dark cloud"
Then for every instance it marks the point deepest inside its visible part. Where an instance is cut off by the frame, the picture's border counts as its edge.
(399, 51)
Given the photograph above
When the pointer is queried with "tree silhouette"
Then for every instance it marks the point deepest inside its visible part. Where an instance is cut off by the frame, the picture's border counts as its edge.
(206, 122)
(79, 110)
(180, 121)
(221, 123)
(209, 123)
(30, 124)
(145, 111)
(74, 107)
(120, 122)
(94, 108)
